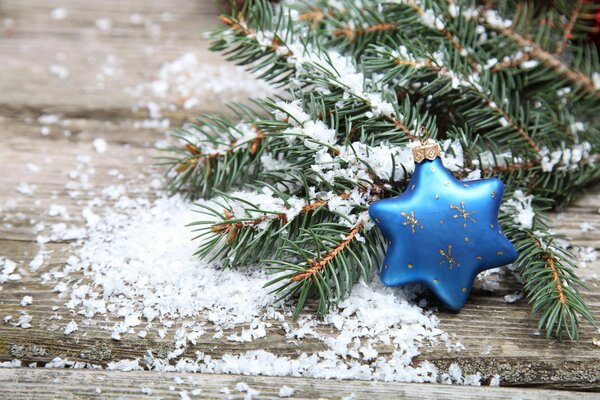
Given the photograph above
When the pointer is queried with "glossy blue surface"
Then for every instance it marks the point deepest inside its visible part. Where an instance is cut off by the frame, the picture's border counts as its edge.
(442, 232)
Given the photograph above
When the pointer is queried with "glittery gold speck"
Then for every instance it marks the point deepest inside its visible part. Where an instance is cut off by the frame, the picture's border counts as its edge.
(411, 220)
(410, 266)
(448, 257)
(463, 213)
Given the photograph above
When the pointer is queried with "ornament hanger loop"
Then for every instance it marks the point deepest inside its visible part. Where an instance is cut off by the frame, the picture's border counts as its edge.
(426, 150)
(423, 129)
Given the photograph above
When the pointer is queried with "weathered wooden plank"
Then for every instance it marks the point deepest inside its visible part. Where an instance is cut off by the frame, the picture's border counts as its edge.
(83, 384)
(100, 63)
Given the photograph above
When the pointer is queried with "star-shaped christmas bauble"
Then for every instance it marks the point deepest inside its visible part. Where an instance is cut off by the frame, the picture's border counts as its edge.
(442, 232)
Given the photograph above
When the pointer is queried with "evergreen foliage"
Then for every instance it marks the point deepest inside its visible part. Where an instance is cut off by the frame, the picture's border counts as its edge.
(509, 90)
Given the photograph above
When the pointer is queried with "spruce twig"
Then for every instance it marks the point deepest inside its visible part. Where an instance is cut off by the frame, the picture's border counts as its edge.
(359, 88)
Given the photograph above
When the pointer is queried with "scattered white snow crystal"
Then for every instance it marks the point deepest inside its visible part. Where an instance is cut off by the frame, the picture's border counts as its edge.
(291, 112)
(104, 24)
(530, 64)
(32, 168)
(70, 328)
(513, 298)
(585, 255)
(36, 263)
(58, 13)
(495, 381)
(454, 375)
(244, 388)
(286, 391)
(59, 71)
(586, 227)
(48, 119)
(596, 80)
(146, 390)
(494, 19)
(564, 158)
(100, 145)
(27, 300)
(11, 364)
(154, 271)
(24, 321)
(519, 206)
(125, 366)
(7, 273)
(136, 19)
(26, 189)
(57, 210)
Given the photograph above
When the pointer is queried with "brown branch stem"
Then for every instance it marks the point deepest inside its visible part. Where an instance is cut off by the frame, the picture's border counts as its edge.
(318, 266)
(516, 127)
(351, 34)
(569, 28)
(198, 157)
(549, 60)
(559, 288)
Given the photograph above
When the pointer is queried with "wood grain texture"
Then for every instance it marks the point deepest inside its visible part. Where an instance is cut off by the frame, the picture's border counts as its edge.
(499, 338)
(82, 384)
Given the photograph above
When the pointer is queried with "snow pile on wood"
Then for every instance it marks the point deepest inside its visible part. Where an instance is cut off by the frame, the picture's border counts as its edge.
(139, 269)
(188, 83)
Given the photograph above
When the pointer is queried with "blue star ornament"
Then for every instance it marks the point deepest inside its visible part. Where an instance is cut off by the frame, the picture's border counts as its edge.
(441, 232)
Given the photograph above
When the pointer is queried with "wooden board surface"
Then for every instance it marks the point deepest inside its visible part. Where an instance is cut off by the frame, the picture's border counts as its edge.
(499, 338)
(81, 384)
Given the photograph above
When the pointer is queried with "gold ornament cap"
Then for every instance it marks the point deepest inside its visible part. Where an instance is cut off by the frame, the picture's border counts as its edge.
(426, 151)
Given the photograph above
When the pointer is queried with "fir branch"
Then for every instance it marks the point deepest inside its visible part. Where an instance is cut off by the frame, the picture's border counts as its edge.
(501, 66)
(441, 29)
(317, 266)
(351, 33)
(209, 149)
(577, 79)
(476, 89)
(504, 115)
(358, 89)
(548, 273)
(341, 263)
(568, 28)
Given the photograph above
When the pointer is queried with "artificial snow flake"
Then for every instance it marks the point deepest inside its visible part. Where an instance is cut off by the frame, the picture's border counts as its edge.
(520, 207)
(27, 300)
(286, 391)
